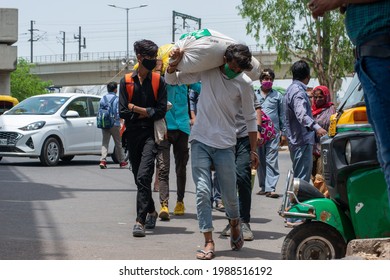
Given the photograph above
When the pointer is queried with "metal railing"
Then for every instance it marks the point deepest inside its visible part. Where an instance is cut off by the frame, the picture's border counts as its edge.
(72, 57)
(98, 56)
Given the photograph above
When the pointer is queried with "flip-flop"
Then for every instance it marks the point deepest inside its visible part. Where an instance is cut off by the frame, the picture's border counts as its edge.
(205, 255)
(238, 243)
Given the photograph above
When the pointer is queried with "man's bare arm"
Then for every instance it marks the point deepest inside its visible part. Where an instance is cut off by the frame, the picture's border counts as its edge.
(319, 7)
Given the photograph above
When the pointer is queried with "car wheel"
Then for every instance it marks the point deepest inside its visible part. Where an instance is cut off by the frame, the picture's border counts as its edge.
(313, 241)
(67, 158)
(50, 154)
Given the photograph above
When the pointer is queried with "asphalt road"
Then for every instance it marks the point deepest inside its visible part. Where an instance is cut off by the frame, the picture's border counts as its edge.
(76, 211)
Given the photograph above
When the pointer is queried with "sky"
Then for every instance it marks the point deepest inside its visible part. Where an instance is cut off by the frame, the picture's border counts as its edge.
(104, 27)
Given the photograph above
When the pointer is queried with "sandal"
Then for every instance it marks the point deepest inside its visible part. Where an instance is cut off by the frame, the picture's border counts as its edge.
(262, 193)
(236, 243)
(272, 195)
(206, 255)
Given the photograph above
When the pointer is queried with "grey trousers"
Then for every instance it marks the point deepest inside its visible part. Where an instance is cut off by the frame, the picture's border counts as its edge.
(115, 133)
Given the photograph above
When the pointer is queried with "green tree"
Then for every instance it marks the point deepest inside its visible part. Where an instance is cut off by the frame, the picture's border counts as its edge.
(24, 84)
(290, 29)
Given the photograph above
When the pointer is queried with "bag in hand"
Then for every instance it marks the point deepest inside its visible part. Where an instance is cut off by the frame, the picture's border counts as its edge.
(267, 129)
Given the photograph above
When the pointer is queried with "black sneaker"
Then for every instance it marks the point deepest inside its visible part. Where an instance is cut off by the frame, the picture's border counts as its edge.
(138, 230)
(150, 222)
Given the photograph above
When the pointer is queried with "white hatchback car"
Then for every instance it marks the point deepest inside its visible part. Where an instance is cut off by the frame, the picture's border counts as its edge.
(51, 127)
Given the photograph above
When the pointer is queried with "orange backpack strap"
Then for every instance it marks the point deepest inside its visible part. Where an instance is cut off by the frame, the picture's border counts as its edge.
(155, 83)
(130, 85)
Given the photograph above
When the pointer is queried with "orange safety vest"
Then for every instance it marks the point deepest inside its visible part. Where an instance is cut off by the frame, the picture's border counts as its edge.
(130, 85)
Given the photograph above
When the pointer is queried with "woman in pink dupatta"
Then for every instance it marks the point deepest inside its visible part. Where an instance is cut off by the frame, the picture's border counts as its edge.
(322, 108)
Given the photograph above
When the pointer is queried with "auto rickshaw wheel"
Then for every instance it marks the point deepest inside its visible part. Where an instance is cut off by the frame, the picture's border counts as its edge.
(313, 241)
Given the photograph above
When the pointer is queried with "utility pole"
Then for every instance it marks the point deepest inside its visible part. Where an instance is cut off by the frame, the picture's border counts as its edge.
(78, 37)
(32, 39)
(63, 45)
(184, 17)
(127, 25)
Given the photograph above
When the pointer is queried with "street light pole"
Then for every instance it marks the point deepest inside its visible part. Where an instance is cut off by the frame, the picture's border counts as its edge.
(127, 24)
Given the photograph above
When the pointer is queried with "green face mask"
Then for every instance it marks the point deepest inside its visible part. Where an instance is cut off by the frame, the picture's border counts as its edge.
(229, 72)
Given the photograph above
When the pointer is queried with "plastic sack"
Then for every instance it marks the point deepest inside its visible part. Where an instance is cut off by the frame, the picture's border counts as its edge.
(254, 74)
(163, 54)
(160, 130)
(204, 49)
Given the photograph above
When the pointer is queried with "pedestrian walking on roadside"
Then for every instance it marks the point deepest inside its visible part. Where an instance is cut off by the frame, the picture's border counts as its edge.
(140, 110)
(225, 90)
(111, 99)
(272, 105)
(244, 172)
(178, 130)
(216, 199)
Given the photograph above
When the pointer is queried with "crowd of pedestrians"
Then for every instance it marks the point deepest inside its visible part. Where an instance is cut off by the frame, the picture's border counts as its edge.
(218, 114)
(214, 120)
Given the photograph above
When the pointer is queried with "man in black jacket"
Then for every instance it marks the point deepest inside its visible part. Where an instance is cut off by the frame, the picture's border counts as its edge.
(140, 106)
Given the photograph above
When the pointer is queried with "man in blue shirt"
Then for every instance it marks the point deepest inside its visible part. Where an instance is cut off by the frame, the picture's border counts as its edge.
(272, 105)
(114, 131)
(300, 125)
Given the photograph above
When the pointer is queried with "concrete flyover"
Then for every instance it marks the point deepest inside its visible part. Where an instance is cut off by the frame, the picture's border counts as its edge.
(100, 68)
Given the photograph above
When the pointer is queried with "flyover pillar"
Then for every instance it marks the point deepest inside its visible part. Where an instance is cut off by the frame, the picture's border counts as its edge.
(8, 53)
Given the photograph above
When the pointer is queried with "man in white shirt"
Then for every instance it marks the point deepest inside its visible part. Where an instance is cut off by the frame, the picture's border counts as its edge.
(225, 90)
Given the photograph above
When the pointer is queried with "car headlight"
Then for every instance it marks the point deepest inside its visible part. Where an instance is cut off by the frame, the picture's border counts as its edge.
(33, 126)
(348, 152)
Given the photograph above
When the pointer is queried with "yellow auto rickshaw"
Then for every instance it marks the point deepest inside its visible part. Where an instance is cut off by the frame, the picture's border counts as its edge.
(351, 111)
(7, 102)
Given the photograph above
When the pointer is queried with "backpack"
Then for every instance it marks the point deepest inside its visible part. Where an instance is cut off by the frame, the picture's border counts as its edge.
(160, 127)
(130, 85)
(106, 114)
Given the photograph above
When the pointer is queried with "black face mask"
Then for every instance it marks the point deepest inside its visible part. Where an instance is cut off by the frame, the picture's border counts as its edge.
(149, 63)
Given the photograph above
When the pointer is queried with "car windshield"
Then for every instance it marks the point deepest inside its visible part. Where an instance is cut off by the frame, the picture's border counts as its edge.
(38, 105)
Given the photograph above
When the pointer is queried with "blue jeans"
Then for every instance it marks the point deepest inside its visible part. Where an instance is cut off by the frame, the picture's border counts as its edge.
(216, 190)
(374, 74)
(243, 171)
(302, 161)
(268, 171)
(224, 162)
